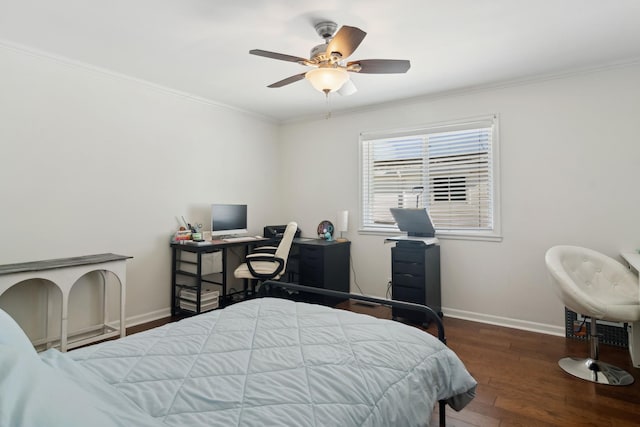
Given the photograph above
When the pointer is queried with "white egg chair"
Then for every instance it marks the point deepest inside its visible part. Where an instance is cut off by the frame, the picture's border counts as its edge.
(601, 288)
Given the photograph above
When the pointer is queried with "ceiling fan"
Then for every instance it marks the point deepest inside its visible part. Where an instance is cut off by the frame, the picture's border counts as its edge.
(330, 70)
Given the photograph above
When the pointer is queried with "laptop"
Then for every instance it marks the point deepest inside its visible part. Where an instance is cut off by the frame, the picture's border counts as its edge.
(414, 221)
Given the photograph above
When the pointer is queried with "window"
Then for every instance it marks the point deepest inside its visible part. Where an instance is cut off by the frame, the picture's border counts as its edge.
(449, 188)
(450, 169)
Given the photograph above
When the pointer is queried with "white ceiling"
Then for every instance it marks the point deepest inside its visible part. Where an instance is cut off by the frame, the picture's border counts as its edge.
(201, 47)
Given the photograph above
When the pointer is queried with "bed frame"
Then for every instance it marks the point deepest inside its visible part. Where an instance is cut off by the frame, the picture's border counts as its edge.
(271, 287)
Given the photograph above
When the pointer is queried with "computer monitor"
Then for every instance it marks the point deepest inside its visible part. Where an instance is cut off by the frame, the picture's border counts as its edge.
(415, 221)
(228, 219)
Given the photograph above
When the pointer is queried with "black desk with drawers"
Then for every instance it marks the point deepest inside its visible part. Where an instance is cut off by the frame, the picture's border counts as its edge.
(320, 264)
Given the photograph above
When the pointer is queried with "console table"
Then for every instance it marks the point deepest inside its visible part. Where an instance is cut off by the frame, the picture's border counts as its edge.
(64, 273)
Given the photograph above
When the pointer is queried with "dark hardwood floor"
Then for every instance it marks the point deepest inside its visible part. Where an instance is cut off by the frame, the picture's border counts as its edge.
(519, 381)
(521, 384)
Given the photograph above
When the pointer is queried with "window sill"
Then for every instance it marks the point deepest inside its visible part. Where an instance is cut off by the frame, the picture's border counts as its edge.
(443, 235)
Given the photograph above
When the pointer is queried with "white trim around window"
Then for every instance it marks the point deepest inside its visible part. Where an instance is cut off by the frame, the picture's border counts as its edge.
(450, 168)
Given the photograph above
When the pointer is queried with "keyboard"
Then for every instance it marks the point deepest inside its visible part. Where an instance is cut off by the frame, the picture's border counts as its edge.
(239, 239)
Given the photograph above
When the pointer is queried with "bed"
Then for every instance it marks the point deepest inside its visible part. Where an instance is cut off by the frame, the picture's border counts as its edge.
(265, 361)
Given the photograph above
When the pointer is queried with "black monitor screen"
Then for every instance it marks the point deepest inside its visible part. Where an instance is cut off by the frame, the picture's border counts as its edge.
(228, 219)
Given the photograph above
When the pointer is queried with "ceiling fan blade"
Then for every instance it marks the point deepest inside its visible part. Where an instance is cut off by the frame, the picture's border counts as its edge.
(280, 56)
(382, 66)
(288, 80)
(346, 41)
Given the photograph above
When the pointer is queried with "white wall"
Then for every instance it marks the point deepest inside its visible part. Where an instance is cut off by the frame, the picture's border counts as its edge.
(569, 156)
(91, 162)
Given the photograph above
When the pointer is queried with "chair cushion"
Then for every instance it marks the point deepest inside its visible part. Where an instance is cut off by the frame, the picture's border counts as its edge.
(262, 267)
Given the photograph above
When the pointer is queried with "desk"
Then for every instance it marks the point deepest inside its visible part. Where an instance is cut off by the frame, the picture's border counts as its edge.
(312, 262)
(181, 277)
(632, 259)
(633, 328)
(64, 273)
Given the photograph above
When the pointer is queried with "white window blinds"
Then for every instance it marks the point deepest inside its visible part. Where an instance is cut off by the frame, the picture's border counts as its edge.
(447, 169)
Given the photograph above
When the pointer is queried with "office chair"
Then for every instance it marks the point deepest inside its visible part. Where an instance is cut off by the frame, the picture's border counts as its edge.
(267, 263)
(594, 285)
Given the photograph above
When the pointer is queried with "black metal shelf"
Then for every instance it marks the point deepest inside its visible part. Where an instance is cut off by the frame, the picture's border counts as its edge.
(187, 273)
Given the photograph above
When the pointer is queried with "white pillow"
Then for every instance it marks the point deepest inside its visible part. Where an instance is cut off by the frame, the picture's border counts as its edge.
(12, 335)
(34, 394)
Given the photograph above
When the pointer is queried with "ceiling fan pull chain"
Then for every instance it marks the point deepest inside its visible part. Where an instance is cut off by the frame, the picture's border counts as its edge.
(326, 96)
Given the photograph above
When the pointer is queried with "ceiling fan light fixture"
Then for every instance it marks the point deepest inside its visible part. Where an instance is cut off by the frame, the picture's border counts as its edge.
(327, 79)
(329, 59)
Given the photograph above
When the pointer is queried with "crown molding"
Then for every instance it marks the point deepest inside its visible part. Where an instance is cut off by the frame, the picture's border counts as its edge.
(30, 51)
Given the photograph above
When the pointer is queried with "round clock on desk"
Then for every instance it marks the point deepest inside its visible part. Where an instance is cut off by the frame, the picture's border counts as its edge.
(325, 230)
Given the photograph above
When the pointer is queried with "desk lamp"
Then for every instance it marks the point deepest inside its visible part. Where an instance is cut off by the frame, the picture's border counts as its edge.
(342, 224)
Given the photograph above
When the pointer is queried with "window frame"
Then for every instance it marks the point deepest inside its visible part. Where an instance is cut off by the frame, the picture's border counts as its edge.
(493, 234)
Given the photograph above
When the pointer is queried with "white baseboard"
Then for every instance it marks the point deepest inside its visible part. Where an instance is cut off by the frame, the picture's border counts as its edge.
(143, 318)
(507, 322)
(148, 317)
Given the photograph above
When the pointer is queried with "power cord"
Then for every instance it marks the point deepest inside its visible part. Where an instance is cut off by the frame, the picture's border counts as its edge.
(355, 281)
